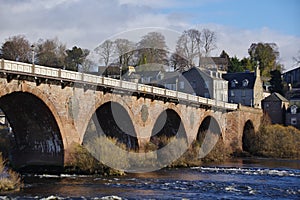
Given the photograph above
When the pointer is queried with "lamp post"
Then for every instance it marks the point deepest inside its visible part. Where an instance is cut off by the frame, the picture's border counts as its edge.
(32, 51)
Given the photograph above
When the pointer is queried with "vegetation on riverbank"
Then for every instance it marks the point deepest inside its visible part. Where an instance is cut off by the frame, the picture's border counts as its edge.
(9, 180)
(275, 141)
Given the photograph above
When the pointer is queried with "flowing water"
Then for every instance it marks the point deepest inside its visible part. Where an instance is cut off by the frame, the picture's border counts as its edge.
(238, 179)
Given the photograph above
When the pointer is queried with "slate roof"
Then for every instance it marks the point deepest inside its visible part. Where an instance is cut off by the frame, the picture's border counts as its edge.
(236, 80)
(275, 97)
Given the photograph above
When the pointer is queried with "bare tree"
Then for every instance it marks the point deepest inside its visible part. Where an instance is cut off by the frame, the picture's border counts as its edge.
(208, 38)
(51, 53)
(152, 49)
(124, 51)
(16, 48)
(189, 47)
(105, 50)
(297, 59)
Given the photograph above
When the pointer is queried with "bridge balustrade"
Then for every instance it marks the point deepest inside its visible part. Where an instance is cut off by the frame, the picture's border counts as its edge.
(37, 70)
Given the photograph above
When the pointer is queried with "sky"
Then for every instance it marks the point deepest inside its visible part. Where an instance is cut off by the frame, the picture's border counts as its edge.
(87, 23)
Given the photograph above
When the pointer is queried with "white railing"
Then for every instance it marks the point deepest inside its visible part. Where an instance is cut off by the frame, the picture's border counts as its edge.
(37, 70)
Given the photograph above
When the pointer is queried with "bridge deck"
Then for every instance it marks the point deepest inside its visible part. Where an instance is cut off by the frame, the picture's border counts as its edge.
(12, 67)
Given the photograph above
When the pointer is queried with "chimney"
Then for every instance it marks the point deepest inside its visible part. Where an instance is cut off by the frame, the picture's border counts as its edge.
(257, 71)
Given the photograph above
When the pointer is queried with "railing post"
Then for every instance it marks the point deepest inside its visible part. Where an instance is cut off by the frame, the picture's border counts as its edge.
(2, 63)
(59, 73)
(33, 68)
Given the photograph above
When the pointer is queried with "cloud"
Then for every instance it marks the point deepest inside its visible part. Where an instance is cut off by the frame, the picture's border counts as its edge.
(86, 23)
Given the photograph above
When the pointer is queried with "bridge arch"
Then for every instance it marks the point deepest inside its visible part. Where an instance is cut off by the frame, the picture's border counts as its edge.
(167, 125)
(209, 133)
(248, 133)
(36, 139)
(112, 120)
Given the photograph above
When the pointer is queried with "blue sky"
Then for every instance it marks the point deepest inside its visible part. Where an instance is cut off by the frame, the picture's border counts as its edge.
(280, 15)
(87, 23)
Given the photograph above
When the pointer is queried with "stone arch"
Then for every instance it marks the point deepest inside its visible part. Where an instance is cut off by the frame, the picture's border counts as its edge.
(16, 86)
(209, 135)
(167, 125)
(36, 137)
(101, 100)
(112, 120)
(248, 133)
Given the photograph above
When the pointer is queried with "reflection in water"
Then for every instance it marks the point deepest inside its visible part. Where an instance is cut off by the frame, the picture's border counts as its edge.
(249, 179)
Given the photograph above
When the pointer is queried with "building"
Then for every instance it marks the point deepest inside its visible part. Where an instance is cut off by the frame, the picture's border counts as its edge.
(218, 64)
(292, 77)
(293, 116)
(206, 83)
(275, 106)
(245, 88)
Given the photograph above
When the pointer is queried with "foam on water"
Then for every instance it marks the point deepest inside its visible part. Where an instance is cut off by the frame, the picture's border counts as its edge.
(249, 171)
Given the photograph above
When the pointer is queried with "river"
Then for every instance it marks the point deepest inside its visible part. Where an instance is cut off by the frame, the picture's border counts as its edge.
(236, 179)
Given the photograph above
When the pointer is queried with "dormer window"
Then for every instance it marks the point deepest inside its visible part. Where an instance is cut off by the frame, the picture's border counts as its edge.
(234, 83)
(245, 82)
(293, 109)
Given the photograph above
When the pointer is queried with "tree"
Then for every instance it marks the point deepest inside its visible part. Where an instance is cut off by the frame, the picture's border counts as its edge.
(51, 53)
(208, 38)
(124, 51)
(188, 47)
(16, 48)
(265, 55)
(105, 50)
(178, 62)
(297, 59)
(75, 57)
(235, 65)
(276, 82)
(152, 49)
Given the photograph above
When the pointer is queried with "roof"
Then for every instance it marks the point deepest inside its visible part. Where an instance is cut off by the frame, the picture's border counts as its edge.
(213, 60)
(148, 73)
(275, 97)
(240, 80)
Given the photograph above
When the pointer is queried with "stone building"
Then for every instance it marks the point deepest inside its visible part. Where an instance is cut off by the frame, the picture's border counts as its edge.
(207, 83)
(245, 88)
(293, 116)
(275, 106)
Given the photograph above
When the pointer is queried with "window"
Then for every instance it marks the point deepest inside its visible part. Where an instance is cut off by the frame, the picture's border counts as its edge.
(293, 109)
(294, 121)
(232, 93)
(234, 83)
(245, 82)
(206, 95)
(181, 85)
(243, 93)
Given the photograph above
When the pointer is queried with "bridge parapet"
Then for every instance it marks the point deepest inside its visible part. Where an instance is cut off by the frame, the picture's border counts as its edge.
(66, 75)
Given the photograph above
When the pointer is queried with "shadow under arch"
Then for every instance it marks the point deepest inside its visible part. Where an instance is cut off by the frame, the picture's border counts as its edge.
(35, 139)
(209, 133)
(248, 133)
(167, 125)
(112, 120)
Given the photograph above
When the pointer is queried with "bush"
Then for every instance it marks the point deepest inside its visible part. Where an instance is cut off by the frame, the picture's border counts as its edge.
(9, 180)
(276, 141)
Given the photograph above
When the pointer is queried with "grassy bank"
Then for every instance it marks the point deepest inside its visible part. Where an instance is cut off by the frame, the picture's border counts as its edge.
(9, 180)
(275, 141)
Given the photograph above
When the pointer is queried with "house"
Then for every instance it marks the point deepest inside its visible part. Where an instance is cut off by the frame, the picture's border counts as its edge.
(245, 88)
(293, 116)
(218, 64)
(292, 77)
(206, 83)
(275, 106)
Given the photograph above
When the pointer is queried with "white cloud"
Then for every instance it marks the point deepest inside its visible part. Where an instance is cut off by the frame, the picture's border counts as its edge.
(86, 23)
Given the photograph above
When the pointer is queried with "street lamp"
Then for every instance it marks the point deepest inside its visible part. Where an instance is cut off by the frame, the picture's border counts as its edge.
(32, 51)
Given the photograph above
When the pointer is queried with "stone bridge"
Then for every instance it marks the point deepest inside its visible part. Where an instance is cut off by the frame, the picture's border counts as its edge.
(49, 109)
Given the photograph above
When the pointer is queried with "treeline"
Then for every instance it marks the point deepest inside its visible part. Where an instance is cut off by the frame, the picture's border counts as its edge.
(191, 46)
